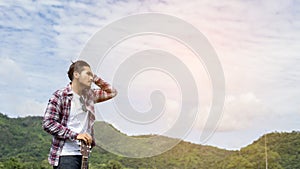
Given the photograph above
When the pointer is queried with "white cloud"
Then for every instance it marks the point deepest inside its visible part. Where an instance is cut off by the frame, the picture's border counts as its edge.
(17, 105)
(172, 113)
(30, 107)
(242, 112)
(11, 73)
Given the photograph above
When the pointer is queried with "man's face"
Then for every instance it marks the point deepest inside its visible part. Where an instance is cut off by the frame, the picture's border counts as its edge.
(85, 78)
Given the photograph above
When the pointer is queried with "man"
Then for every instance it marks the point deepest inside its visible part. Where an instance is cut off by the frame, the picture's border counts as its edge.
(69, 116)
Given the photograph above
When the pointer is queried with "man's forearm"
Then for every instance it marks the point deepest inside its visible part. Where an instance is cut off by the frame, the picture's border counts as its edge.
(105, 92)
(51, 122)
(58, 130)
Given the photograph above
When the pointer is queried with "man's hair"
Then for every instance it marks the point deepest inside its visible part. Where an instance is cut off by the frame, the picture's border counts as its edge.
(76, 66)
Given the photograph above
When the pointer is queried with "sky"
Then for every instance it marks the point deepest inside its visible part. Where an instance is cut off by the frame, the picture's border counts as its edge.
(257, 43)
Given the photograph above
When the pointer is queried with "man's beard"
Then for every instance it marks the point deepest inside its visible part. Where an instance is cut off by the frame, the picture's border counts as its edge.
(84, 86)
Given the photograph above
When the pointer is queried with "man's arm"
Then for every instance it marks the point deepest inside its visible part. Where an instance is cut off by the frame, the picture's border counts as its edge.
(52, 120)
(105, 92)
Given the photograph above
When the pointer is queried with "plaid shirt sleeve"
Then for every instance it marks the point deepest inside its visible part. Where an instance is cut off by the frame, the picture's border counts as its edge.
(53, 121)
(105, 92)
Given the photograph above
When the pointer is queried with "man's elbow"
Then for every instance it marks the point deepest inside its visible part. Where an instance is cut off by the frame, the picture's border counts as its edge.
(46, 125)
(115, 93)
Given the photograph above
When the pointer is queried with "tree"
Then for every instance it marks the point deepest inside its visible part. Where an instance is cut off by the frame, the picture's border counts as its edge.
(12, 163)
(235, 162)
(256, 155)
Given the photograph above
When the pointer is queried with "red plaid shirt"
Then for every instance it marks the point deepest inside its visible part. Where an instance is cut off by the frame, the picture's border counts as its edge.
(58, 110)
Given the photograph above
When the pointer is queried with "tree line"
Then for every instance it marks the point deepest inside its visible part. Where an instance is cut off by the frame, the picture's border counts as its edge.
(25, 145)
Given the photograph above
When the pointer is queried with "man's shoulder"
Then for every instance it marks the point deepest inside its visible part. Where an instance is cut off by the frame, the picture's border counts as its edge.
(65, 91)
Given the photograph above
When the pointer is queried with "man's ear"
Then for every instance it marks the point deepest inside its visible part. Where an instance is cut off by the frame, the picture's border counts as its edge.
(76, 75)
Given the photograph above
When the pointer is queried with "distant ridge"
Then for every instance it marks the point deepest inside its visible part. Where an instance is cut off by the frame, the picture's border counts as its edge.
(25, 145)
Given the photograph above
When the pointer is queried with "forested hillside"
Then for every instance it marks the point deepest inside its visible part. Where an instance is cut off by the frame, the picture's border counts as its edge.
(25, 145)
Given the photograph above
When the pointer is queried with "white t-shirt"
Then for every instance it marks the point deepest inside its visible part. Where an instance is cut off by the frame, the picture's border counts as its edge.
(77, 122)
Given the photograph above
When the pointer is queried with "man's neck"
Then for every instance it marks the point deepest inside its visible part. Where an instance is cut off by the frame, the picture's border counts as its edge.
(77, 88)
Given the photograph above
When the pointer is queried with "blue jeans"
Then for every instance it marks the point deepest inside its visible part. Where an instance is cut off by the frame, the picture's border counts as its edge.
(69, 162)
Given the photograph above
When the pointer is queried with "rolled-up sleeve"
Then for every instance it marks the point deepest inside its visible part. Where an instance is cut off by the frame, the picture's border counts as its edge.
(105, 92)
(53, 122)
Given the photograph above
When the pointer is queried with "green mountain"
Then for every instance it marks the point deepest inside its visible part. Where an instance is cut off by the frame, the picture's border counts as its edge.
(24, 144)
